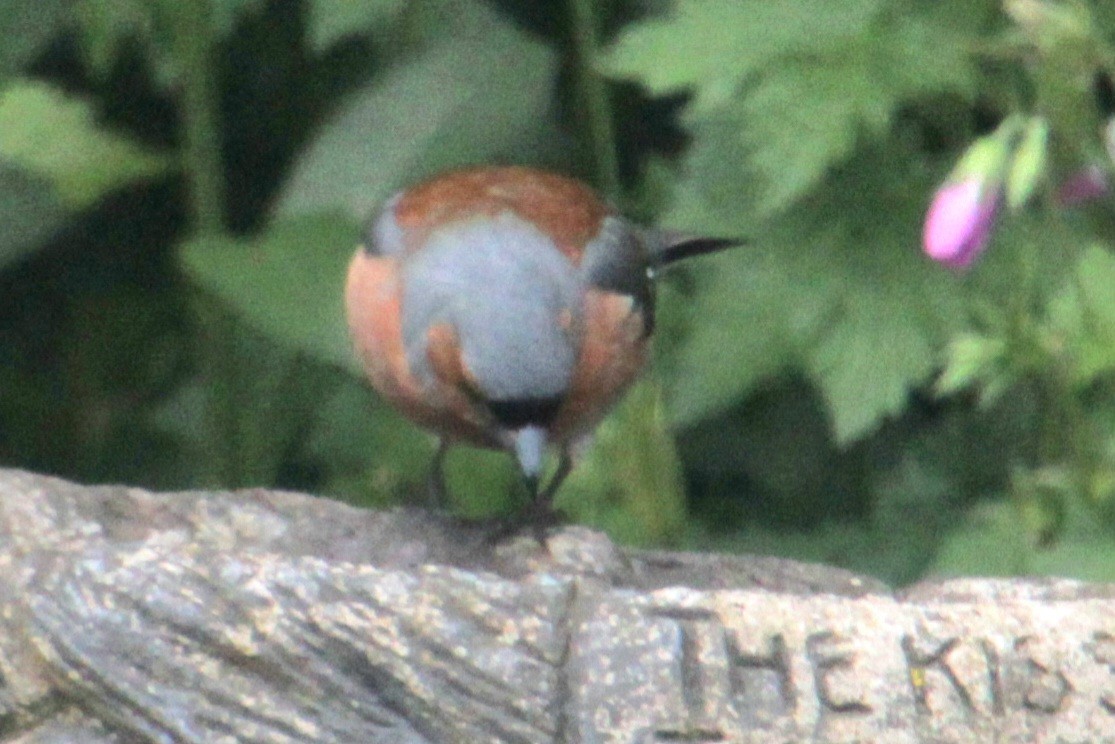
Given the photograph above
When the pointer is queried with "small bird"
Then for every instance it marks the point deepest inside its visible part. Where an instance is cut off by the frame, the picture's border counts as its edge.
(508, 308)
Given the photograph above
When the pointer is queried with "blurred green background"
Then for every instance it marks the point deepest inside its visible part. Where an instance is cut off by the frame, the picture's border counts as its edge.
(182, 183)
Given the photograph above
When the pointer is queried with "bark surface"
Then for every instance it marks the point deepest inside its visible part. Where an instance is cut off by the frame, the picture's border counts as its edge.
(259, 616)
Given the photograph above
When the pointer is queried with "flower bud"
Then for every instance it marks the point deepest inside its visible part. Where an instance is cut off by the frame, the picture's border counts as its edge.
(959, 221)
(1028, 164)
(1085, 185)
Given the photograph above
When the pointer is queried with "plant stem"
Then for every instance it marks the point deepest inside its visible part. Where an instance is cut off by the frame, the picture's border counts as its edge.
(600, 127)
(194, 50)
(224, 444)
(194, 44)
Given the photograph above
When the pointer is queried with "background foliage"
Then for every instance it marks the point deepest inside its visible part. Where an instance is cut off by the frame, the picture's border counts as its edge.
(183, 181)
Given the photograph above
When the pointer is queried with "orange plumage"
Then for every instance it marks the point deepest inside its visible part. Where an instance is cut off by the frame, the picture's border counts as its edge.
(505, 307)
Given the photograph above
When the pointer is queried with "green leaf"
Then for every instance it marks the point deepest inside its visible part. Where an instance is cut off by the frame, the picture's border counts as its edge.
(462, 101)
(990, 542)
(227, 12)
(845, 299)
(711, 46)
(332, 20)
(800, 119)
(55, 136)
(1087, 559)
(370, 453)
(287, 282)
(930, 48)
(251, 406)
(846, 294)
(868, 362)
(105, 24)
(29, 211)
(1081, 317)
(25, 26)
(809, 113)
(786, 110)
(1027, 169)
(973, 359)
(629, 482)
(746, 321)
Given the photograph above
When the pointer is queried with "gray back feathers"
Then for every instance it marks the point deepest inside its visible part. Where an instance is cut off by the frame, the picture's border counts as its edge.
(503, 286)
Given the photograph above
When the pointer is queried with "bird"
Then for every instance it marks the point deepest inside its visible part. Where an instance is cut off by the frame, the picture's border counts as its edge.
(507, 307)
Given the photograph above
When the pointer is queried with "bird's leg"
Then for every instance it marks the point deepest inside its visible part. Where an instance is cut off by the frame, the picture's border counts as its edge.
(539, 515)
(544, 501)
(436, 491)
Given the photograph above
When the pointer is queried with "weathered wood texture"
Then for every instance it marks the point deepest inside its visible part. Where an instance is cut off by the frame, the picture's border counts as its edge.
(256, 616)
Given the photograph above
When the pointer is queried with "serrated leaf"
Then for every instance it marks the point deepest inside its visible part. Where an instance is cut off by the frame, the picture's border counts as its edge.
(867, 363)
(460, 102)
(751, 312)
(972, 359)
(807, 114)
(738, 336)
(800, 119)
(718, 188)
(808, 103)
(332, 20)
(287, 282)
(847, 293)
(55, 136)
(930, 50)
(1081, 316)
(711, 46)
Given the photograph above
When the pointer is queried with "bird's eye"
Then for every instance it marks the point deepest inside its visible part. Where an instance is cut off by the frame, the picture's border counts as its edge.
(617, 261)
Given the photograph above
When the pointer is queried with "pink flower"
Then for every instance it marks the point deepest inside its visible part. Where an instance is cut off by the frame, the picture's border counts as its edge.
(958, 224)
